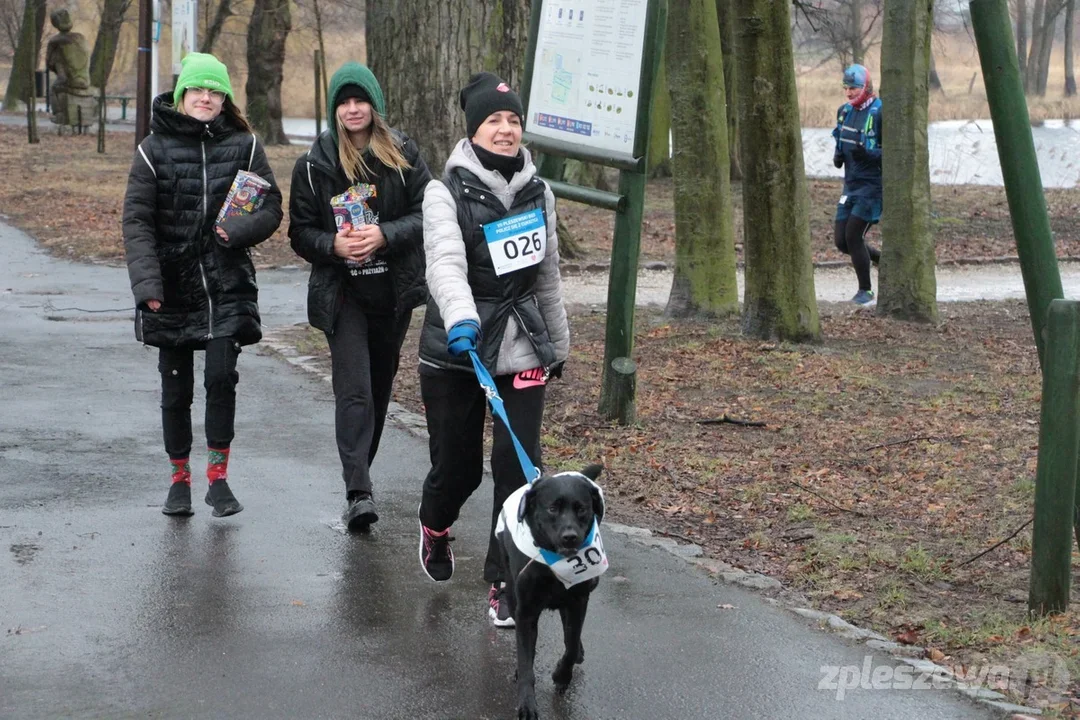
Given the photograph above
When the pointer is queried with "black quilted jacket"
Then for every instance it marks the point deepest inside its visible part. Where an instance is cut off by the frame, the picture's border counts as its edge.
(179, 178)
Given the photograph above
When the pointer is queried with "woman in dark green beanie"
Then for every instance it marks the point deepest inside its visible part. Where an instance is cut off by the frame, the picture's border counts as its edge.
(355, 213)
(193, 279)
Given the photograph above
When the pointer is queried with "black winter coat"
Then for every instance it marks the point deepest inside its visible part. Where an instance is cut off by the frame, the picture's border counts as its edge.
(317, 177)
(179, 178)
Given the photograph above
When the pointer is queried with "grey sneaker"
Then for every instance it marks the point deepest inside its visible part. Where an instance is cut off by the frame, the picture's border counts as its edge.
(360, 515)
(863, 297)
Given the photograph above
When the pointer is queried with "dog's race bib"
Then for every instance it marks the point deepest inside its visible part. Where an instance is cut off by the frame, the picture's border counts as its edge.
(517, 242)
(590, 561)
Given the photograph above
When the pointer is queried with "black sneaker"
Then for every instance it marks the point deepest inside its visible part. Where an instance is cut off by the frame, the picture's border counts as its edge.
(220, 497)
(360, 515)
(498, 608)
(179, 500)
(436, 557)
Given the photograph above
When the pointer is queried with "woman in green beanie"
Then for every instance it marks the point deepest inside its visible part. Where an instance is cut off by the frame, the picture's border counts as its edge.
(355, 213)
(192, 277)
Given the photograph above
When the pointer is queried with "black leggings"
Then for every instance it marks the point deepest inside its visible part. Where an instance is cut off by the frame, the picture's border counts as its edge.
(456, 408)
(178, 389)
(850, 238)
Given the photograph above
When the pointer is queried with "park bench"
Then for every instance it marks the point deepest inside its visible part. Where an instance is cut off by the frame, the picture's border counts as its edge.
(123, 100)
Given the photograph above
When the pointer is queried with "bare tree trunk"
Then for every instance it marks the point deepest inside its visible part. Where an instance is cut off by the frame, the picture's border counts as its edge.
(222, 13)
(907, 280)
(1031, 68)
(108, 36)
(1021, 35)
(779, 301)
(726, 16)
(27, 54)
(1044, 54)
(856, 32)
(424, 51)
(1070, 23)
(270, 24)
(705, 279)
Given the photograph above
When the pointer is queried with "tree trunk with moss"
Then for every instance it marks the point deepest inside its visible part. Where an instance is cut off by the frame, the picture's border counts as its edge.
(27, 54)
(423, 52)
(907, 281)
(726, 16)
(779, 301)
(660, 125)
(705, 280)
(270, 24)
(108, 37)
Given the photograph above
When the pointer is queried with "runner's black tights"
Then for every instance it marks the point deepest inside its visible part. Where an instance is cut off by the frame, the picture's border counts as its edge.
(850, 238)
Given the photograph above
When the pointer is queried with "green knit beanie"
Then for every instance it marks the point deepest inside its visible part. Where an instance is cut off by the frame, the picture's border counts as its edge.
(203, 71)
(352, 73)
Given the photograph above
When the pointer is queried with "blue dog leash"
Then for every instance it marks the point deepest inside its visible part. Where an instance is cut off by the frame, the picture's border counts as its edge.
(532, 473)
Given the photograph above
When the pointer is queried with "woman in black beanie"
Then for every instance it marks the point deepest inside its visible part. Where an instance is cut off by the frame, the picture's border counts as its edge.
(491, 296)
(355, 215)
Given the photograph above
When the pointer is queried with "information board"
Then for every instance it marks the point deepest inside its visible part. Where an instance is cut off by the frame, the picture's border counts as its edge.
(586, 72)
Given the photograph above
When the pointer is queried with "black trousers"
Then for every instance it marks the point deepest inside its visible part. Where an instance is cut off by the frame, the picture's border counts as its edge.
(177, 368)
(456, 407)
(850, 238)
(365, 351)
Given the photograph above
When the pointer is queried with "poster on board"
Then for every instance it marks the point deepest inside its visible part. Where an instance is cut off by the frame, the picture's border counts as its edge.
(587, 72)
(184, 18)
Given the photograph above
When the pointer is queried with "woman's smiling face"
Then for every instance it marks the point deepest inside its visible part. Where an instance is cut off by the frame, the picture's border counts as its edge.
(500, 133)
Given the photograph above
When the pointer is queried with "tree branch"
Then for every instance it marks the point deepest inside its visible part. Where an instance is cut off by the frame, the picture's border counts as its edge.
(995, 546)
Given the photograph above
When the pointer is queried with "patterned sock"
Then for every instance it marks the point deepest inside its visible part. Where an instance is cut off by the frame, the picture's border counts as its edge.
(217, 465)
(181, 470)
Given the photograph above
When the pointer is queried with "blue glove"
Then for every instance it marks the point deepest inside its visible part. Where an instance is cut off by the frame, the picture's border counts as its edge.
(462, 337)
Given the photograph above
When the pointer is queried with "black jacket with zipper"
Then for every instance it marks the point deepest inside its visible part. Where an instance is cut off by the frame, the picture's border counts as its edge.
(178, 182)
(317, 177)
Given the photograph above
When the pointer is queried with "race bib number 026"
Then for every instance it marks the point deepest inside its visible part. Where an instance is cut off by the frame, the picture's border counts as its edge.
(517, 242)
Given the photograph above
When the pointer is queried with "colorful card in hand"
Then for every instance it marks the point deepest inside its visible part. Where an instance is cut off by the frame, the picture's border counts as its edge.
(246, 195)
(352, 208)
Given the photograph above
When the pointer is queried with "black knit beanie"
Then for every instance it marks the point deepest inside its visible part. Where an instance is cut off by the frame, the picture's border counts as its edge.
(486, 94)
(352, 91)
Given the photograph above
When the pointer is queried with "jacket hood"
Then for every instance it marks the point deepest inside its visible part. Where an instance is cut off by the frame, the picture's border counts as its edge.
(352, 73)
(167, 120)
(464, 157)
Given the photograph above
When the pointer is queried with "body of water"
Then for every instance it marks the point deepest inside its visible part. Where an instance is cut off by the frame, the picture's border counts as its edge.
(965, 153)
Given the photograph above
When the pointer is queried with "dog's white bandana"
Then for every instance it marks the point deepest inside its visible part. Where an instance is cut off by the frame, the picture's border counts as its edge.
(588, 561)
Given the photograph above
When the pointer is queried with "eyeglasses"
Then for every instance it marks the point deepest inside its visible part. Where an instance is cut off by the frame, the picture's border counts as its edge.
(215, 95)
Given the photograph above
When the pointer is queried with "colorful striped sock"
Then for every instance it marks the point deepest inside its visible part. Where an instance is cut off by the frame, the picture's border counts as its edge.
(181, 470)
(217, 465)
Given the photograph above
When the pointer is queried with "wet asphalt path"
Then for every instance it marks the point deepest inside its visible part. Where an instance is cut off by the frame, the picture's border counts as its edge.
(109, 609)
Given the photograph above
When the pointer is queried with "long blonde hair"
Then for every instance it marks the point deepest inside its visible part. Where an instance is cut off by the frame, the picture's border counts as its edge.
(384, 146)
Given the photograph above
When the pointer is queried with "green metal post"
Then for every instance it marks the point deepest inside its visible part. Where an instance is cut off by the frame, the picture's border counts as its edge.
(622, 288)
(992, 24)
(1055, 479)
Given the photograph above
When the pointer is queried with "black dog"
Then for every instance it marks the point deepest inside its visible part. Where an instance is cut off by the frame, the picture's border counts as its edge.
(553, 557)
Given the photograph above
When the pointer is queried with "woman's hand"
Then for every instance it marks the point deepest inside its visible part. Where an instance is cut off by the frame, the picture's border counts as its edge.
(220, 231)
(154, 305)
(369, 238)
(343, 243)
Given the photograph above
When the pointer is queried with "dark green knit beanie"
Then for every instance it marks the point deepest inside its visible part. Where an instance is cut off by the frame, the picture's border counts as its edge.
(352, 73)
